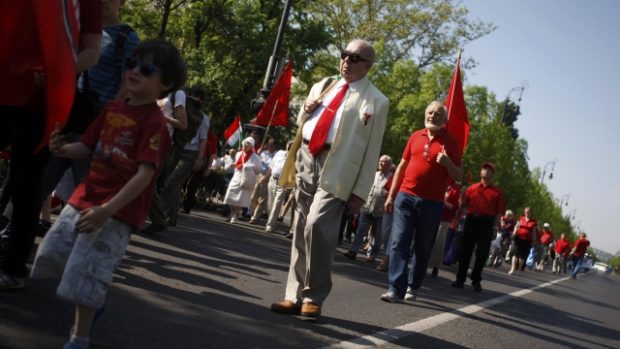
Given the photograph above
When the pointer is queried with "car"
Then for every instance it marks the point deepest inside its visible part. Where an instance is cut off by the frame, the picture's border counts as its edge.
(602, 267)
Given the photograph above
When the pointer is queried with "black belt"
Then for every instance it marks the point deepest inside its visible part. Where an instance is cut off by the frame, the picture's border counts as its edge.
(325, 147)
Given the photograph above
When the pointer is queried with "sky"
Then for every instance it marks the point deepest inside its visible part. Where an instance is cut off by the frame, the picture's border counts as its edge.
(568, 52)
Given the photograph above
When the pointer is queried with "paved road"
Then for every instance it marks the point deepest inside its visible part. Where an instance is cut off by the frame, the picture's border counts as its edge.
(208, 284)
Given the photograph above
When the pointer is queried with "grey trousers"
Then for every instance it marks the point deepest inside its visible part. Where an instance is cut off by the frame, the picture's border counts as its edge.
(276, 199)
(315, 233)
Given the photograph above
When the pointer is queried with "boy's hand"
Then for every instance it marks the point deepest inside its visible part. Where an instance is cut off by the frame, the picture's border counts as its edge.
(92, 219)
(56, 141)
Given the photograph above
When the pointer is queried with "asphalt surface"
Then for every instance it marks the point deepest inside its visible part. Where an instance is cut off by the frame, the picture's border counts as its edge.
(209, 284)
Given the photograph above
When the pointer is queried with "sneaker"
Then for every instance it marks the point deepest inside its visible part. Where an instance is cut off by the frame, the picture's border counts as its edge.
(457, 284)
(70, 345)
(350, 255)
(411, 294)
(269, 230)
(150, 230)
(477, 287)
(233, 220)
(391, 297)
(10, 282)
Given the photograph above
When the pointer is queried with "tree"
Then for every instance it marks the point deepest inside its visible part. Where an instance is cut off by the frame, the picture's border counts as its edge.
(426, 31)
(227, 44)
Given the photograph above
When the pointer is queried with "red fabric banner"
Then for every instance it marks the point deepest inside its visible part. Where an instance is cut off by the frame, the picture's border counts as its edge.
(277, 102)
(458, 123)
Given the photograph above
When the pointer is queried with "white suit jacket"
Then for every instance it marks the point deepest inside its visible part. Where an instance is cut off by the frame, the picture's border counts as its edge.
(352, 160)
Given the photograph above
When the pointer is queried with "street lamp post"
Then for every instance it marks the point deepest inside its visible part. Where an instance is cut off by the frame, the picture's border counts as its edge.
(258, 102)
(562, 202)
(550, 163)
(517, 89)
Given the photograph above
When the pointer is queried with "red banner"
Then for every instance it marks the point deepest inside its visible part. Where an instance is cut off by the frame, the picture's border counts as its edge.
(275, 109)
(458, 123)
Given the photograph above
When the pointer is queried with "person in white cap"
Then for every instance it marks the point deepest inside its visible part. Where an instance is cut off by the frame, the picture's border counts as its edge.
(247, 166)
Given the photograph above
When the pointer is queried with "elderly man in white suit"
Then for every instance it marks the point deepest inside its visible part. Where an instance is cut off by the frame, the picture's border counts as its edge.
(330, 174)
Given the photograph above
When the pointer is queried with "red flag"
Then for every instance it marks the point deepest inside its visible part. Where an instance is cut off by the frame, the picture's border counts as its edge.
(276, 105)
(39, 36)
(232, 134)
(458, 123)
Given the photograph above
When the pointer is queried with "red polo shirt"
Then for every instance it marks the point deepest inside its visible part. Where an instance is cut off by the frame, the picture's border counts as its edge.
(525, 228)
(484, 200)
(452, 196)
(581, 246)
(562, 247)
(424, 177)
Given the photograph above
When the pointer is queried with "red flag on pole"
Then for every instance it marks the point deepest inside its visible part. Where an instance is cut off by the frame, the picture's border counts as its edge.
(275, 109)
(39, 36)
(232, 134)
(458, 123)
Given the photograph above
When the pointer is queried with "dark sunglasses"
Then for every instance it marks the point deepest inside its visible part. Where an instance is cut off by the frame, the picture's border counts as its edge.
(146, 69)
(353, 57)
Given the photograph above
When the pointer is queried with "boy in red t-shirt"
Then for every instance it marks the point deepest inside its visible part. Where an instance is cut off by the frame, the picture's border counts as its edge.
(127, 144)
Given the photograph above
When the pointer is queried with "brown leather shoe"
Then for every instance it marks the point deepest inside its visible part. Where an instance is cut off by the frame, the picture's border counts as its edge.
(310, 310)
(286, 307)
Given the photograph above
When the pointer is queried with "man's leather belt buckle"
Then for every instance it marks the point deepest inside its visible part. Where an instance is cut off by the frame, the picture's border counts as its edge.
(326, 147)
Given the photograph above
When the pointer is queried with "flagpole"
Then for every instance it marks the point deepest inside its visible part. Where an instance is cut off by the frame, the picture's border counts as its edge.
(451, 93)
(273, 112)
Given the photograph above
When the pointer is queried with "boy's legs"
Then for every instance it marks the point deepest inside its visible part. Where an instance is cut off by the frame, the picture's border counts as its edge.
(56, 246)
(90, 269)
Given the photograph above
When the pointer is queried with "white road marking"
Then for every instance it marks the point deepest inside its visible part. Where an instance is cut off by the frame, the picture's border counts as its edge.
(388, 336)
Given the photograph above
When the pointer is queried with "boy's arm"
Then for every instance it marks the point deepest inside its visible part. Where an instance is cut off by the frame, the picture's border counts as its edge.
(93, 218)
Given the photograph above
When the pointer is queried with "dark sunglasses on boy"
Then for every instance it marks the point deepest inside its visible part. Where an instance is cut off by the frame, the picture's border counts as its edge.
(146, 69)
(353, 57)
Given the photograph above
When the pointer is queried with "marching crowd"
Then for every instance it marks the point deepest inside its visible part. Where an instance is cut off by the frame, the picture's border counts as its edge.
(146, 140)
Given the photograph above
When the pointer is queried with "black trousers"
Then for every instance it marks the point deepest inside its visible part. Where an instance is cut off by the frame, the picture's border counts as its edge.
(22, 129)
(478, 233)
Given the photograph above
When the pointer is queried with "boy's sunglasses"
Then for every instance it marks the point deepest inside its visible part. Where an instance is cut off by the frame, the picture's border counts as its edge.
(146, 69)
(353, 57)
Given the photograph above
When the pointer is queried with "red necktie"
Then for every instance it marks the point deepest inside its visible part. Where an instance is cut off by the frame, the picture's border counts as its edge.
(319, 135)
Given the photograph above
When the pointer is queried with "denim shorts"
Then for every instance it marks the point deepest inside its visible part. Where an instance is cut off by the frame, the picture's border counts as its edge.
(85, 261)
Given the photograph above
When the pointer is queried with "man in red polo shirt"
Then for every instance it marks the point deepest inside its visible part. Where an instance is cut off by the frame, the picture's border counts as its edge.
(485, 204)
(562, 249)
(579, 251)
(430, 160)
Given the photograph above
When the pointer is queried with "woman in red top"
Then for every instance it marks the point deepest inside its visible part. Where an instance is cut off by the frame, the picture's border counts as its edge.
(524, 235)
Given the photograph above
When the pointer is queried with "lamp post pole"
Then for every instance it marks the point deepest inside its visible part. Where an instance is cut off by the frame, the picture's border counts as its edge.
(562, 202)
(274, 61)
(550, 163)
(519, 90)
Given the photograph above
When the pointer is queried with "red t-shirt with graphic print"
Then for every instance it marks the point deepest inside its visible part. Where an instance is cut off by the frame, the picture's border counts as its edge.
(122, 137)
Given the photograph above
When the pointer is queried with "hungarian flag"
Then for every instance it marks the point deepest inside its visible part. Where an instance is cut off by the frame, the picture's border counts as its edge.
(232, 134)
(275, 110)
(458, 124)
